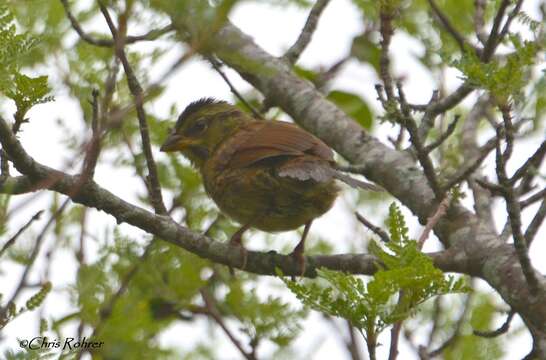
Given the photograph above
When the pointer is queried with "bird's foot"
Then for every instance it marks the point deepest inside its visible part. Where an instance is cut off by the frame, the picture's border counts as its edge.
(300, 259)
(236, 241)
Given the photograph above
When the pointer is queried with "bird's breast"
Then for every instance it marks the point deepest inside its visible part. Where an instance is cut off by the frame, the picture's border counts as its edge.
(258, 196)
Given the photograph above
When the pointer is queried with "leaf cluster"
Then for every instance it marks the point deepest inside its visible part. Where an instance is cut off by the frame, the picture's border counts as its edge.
(26, 91)
(405, 279)
(504, 77)
(11, 311)
(267, 319)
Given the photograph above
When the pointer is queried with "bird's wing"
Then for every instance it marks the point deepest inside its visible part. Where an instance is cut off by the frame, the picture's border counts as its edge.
(269, 139)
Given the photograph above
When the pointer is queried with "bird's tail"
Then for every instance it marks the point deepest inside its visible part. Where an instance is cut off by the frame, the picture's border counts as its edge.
(351, 181)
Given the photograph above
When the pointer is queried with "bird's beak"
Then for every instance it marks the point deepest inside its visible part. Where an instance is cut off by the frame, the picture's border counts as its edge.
(176, 142)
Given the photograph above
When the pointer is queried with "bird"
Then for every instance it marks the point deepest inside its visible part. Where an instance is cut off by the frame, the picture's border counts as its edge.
(265, 174)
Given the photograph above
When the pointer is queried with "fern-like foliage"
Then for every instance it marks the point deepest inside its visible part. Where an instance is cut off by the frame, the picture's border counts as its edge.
(503, 77)
(405, 279)
(26, 91)
(11, 311)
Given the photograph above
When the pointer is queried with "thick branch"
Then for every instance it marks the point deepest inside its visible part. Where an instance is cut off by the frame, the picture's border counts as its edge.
(395, 171)
(91, 194)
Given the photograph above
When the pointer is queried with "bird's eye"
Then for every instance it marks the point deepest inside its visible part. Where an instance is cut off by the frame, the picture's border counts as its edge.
(197, 128)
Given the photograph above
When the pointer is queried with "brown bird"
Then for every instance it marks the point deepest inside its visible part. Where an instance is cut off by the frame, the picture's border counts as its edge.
(269, 175)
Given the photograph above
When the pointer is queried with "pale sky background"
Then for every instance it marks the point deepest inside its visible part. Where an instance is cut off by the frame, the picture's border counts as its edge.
(275, 29)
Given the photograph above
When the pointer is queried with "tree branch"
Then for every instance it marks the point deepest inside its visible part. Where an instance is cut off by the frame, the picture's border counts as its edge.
(512, 205)
(376, 229)
(533, 162)
(456, 332)
(32, 257)
(213, 312)
(395, 171)
(92, 195)
(457, 36)
(12, 239)
(450, 129)
(217, 66)
(149, 36)
(136, 90)
(293, 54)
(501, 330)
(433, 220)
(533, 198)
(494, 39)
(535, 224)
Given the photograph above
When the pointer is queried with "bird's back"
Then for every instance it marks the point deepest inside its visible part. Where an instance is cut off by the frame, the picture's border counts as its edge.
(280, 173)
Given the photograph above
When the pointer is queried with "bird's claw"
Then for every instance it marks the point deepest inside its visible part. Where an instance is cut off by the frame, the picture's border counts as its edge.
(244, 256)
(300, 259)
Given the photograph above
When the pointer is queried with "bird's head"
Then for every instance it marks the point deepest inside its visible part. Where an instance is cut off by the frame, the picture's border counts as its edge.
(201, 127)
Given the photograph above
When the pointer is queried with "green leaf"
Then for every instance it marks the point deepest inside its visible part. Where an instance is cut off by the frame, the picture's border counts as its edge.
(38, 298)
(405, 279)
(354, 106)
(366, 51)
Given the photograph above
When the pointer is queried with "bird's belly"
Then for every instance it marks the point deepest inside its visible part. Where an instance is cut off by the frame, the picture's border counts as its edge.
(267, 202)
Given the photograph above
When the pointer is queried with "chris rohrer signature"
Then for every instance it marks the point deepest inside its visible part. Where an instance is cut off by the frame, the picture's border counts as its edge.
(69, 343)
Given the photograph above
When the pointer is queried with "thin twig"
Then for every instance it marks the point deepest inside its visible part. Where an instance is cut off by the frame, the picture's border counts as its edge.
(450, 129)
(217, 66)
(352, 343)
(494, 189)
(506, 232)
(395, 336)
(512, 205)
(306, 34)
(451, 100)
(325, 76)
(433, 220)
(501, 330)
(535, 224)
(494, 39)
(456, 332)
(471, 165)
(509, 20)
(106, 309)
(213, 312)
(93, 148)
(386, 31)
(422, 155)
(371, 344)
(149, 36)
(457, 36)
(533, 198)
(33, 255)
(436, 313)
(136, 90)
(375, 229)
(12, 240)
(115, 117)
(470, 150)
(533, 162)
(4, 167)
(479, 20)
(429, 116)
(409, 123)
(399, 140)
